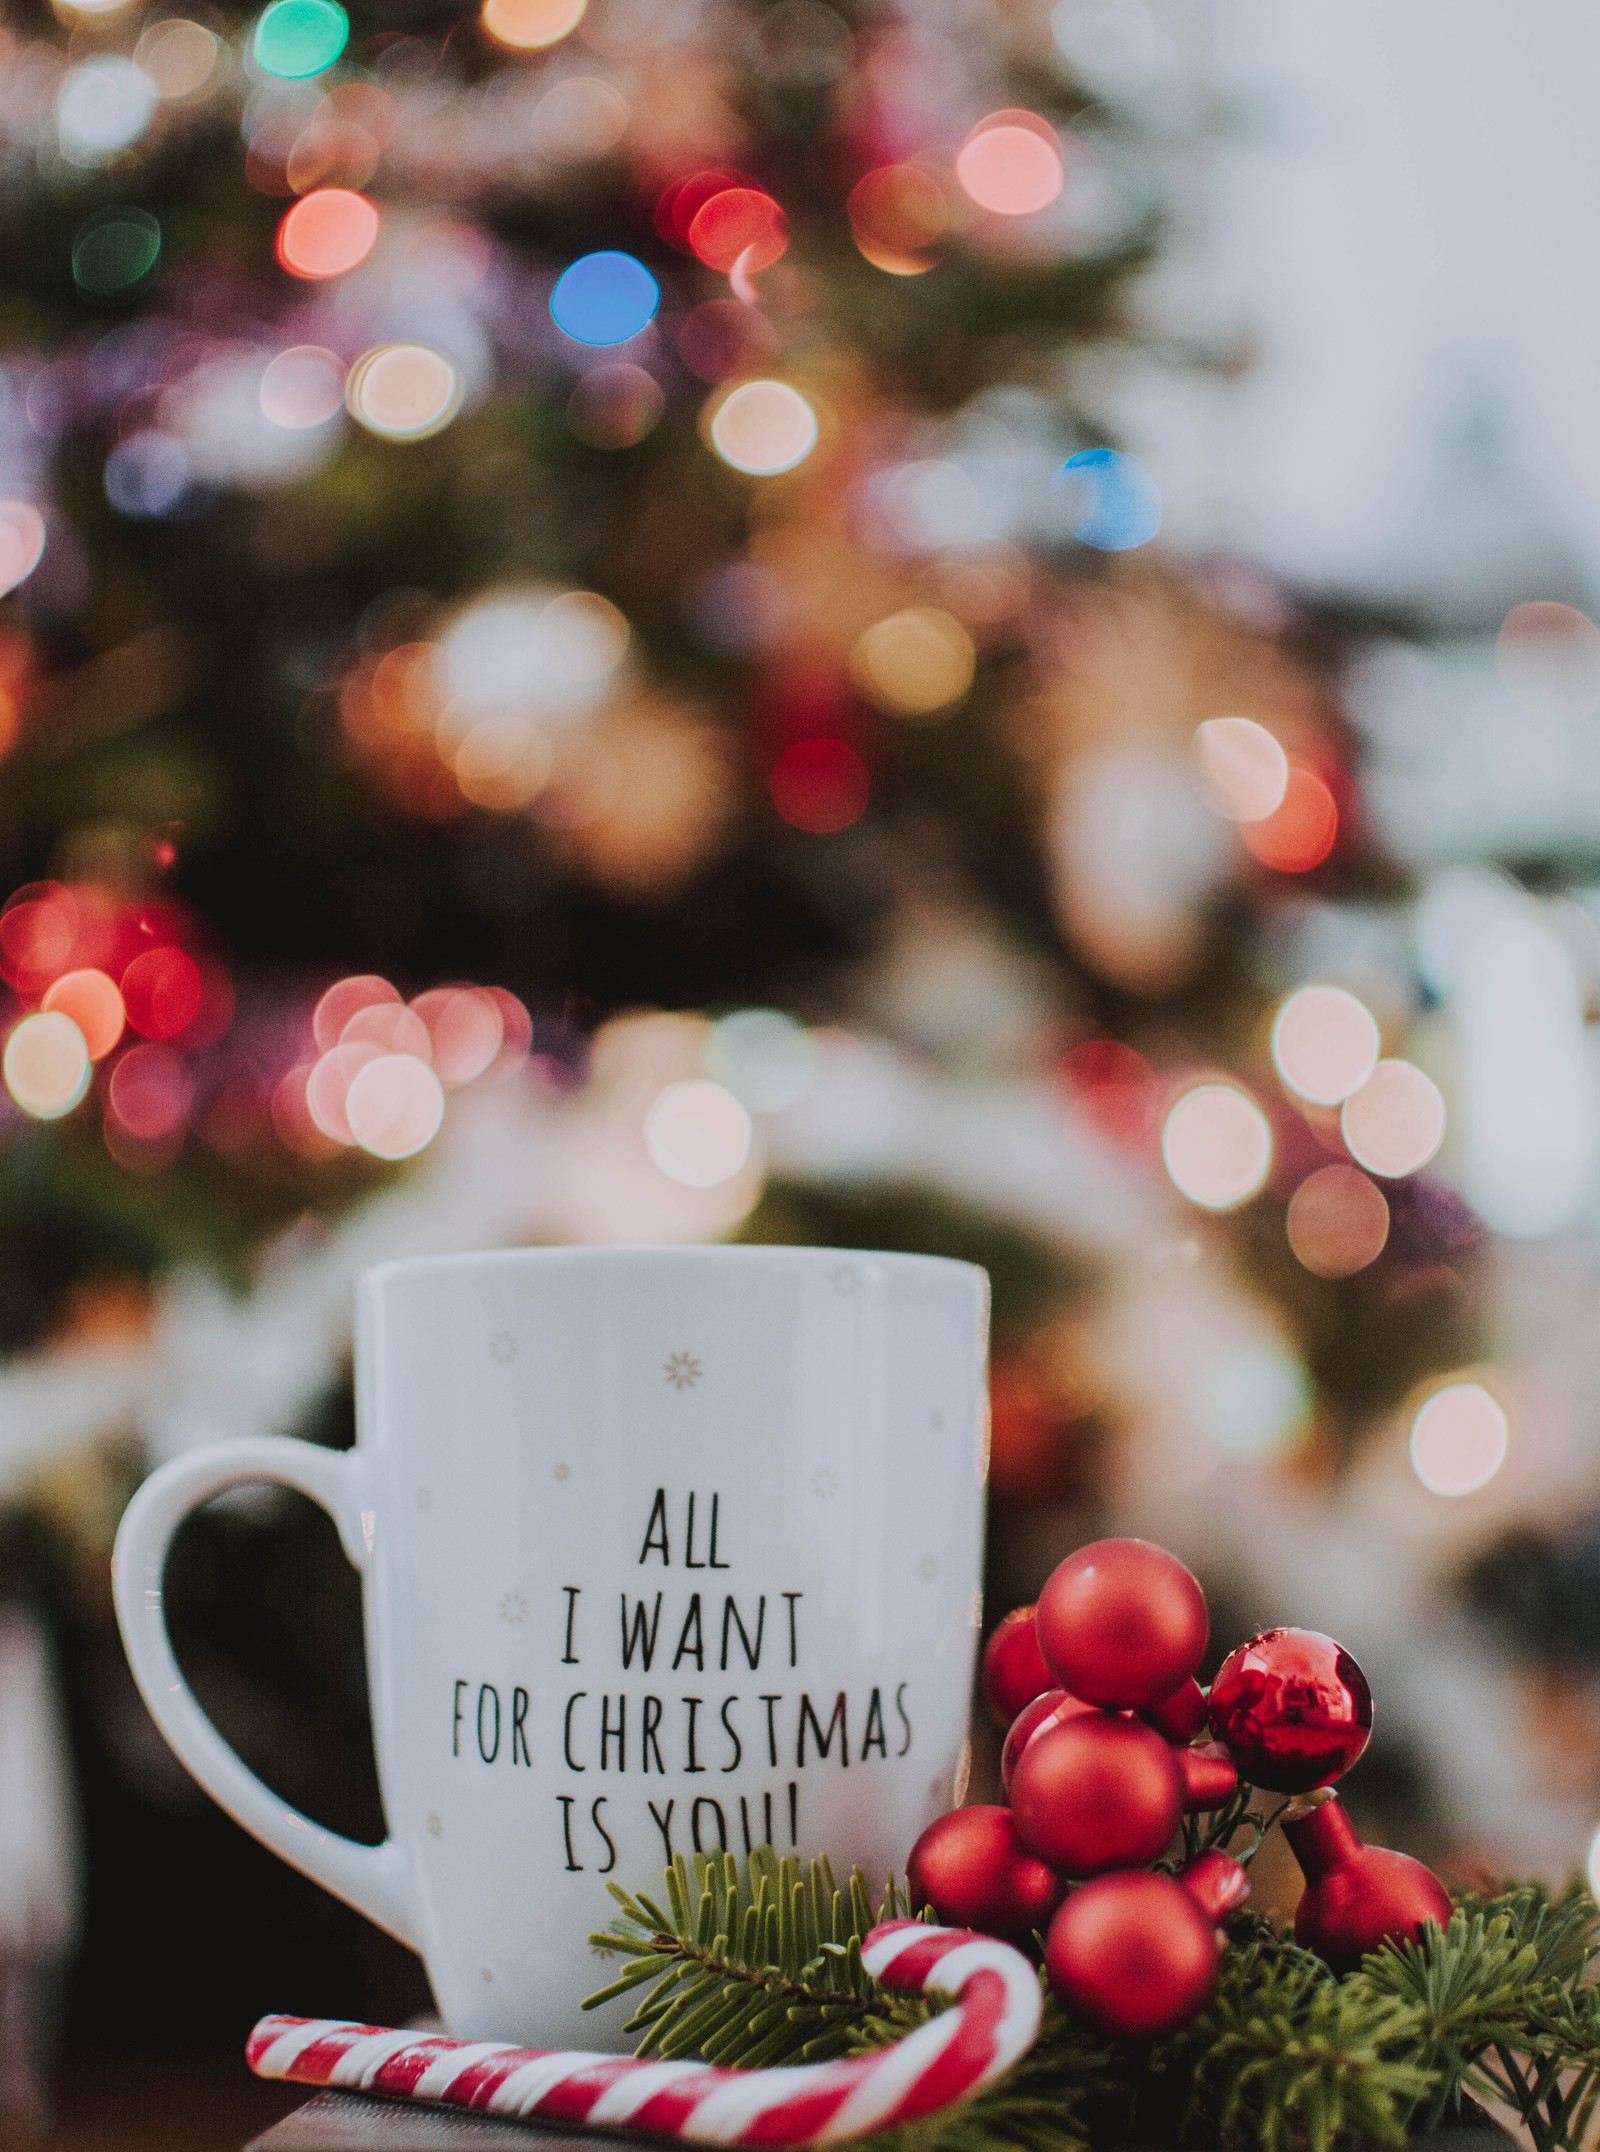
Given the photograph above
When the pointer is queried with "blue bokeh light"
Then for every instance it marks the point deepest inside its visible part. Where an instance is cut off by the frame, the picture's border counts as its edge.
(604, 298)
(1117, 502)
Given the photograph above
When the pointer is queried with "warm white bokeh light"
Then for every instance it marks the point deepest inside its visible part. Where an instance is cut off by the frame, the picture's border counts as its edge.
(764, 427)
(1245, 769)
(1337, 1222)
(403, 391)
(698, 1133)
(915, 663)
(1325, 1044)
(1459, 1439)
(302, 387)
(1394, 1124)
(47, 1064)
(1217, 1146)
(394, 1105)
(22, 537)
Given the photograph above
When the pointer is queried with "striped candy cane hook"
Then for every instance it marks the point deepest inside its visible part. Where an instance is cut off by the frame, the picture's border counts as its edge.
(995, 2021)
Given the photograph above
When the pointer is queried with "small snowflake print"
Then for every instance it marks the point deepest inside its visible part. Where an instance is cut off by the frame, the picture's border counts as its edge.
(503, 1347)
(513, 1608)
(435, 1824)
(561, 1472)
(682, 1370)
(825, 1484)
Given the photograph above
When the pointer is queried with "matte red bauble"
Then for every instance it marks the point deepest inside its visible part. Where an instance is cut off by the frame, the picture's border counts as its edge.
(972, 1868)
(1096, 1792)
(1051, 1709)
(1292, 1708)
(1357, 1896)
(1217, 1883)
(1208, 1775)
(1181, 1715)
(1014, 1672)
(1122, 1623)
(1133, 1954)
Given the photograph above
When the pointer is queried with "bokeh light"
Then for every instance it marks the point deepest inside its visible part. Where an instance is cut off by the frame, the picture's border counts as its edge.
(390, 1026)
(46, 1064)
(1245, 769)
(178, 56)
(530, 25)
(1459, 1439)
(1217, 1146)
(724, 338)
(115, 252)
(1253, 1400)
(1338, 1222)
(22, 536)
(763, 427)
(466, 1031)
(820, 785)
(327, 232)
(363, 990)
(1325, 1044)
(897, 214)
(739, 228)
(297, 38)
(148, 474)
(604, 298)
(1549, 659)
(103, 104)
(162, 991)
(1114, 1086)
(1011, 164)
(1116, 503)
(698, 1133)
(302, 387)
(915, 663)
(616, 406)
(151, 1092)
(93, 1002)
(766, 1059)
(1300, 832)
(503, 761)
(394, 1105)
(1395, 1123)
(547, 655)
(405, 392)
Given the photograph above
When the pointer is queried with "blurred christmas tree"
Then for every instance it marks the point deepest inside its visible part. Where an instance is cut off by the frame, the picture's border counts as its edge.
(614, 507)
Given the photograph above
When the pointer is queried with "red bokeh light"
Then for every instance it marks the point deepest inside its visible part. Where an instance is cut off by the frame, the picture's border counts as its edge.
(392, 1026)
(820, 785)
(327, 233)
(681, 201)
(516, 1031)
(95, 1006)
(740, 226)
(341, 1002)
(1115, 1088)
(162, 991)
(150, 1092)
(466, 1030)
(1300, 832)
(38, 936)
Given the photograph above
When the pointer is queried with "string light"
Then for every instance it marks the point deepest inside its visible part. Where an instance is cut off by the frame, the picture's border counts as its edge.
(1216, 1146)
(1011, 164)
(327, 232)
(1245, 768)
(405, 392)
(46, 1064)
(763, 427)
(1325, 1044)
(698, 1133)
(1459, 1439)
(1395, 1123)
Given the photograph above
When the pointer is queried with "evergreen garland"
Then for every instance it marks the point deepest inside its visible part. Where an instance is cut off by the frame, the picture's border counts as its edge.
(759, 1963)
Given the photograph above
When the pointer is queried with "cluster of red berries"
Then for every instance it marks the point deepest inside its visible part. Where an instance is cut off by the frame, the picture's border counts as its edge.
(1111, 1742)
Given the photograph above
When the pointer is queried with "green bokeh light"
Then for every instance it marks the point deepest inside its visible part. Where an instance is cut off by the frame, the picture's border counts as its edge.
(114, 253)
(296, 38)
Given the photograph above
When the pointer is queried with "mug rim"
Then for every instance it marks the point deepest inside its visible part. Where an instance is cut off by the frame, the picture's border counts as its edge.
(686, 1256)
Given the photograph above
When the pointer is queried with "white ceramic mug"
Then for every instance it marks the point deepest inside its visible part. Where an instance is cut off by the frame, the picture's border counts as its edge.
(661, 1549)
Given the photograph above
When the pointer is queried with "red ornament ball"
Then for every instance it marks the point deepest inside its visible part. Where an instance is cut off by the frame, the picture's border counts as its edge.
(1181, 1715)
(973, 1869)
(1208, 1775)
(1216, 1882)
(1014, 1672)
(1293, 1710)
(1051, 1709)
(1133, 1954)
(1096, 1792)
(1357, 1896)
(1122, 1623)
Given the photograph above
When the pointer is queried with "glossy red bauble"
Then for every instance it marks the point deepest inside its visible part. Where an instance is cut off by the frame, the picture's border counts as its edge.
(1216, 1882)
(1096, 1792)
(1051, 1709)
(1122, 1623)
(1208, 1775)
(972, 1868)
(1181, 1715)
(1292, 1708)
(1134, 1955)
(1014, 1672)
(1357, 1896)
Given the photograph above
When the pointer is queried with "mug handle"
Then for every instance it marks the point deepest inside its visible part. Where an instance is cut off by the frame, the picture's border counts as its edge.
(373, 1879)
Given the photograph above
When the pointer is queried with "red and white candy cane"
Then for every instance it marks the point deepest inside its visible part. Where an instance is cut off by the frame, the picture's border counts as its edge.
(995, 2021)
